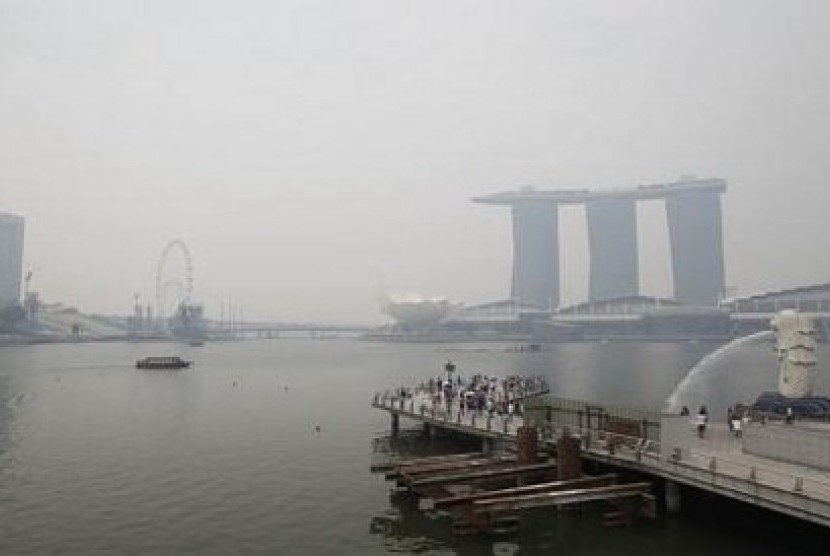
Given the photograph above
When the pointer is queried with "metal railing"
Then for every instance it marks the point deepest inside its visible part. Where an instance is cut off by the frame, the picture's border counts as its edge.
(707, 467)
(587, 415)
(602, 442)
(719, 467)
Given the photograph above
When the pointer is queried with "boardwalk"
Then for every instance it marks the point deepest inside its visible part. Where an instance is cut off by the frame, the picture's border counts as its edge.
(716, 463)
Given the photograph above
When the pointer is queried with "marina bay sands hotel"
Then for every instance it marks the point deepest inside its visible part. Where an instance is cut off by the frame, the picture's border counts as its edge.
(693, 210)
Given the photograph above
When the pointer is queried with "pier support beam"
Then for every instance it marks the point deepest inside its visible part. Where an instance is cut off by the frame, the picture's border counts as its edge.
(486, 445)
(568, 458)
(395, 424)
(430, 430)
(526, 445)
(673, 497)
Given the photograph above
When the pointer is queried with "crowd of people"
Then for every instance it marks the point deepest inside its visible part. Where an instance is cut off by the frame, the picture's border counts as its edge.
(481, 393)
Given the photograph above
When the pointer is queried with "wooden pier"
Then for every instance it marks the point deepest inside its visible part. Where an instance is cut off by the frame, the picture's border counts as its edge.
(483, 493)
(660, 446)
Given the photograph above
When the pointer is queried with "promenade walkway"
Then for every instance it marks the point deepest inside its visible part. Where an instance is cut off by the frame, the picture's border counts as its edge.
(721, 450)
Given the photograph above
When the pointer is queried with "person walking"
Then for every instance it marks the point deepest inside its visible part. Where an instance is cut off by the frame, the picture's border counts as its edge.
(701, 420)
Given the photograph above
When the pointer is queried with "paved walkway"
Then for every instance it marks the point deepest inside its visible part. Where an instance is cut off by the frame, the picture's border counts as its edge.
(720, 451)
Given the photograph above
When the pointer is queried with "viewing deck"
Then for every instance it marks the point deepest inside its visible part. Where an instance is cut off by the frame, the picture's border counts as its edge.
(667, 448)
(579, 196)
(419, 407)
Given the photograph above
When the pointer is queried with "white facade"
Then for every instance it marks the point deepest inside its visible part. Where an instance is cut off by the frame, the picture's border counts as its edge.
(413, 310)
(11, 258)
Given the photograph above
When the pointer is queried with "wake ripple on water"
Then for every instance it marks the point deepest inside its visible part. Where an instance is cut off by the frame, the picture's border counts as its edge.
(708, 364)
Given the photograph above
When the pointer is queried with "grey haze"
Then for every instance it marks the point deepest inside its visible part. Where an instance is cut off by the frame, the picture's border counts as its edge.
(313, 152)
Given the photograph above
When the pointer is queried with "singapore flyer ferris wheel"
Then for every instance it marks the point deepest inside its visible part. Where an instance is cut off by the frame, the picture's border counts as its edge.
(184, 283)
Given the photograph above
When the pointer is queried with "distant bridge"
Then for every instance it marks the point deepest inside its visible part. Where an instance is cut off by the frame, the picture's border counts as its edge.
(285, 327)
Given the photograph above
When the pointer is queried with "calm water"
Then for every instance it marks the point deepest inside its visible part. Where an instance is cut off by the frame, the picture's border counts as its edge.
(97, 457)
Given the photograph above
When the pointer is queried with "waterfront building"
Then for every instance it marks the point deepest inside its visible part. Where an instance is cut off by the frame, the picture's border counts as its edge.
(637, 317)
(752, 313)
(414, 312)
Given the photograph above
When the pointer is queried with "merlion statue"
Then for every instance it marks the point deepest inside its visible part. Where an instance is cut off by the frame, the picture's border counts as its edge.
(795, 336)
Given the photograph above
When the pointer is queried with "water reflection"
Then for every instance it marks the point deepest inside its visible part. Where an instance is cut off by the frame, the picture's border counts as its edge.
(7, 400)
(403, 527)
(414, 443)
(14, 397)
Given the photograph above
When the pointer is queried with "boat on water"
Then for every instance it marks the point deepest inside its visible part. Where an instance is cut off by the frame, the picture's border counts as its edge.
(163, 363)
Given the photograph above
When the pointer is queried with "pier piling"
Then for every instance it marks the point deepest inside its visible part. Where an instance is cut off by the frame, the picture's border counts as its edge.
(569, 458)
(526, 444)
(673, 497)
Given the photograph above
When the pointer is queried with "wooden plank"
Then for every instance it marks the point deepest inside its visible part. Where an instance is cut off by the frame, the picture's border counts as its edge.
(554, 486)
(484, 474)
(408, 479)
(391, 465)
(575, 496)
(438, 466)
(414, 471)
(584, 498)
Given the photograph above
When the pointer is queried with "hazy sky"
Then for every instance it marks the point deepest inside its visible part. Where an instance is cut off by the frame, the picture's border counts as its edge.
(309, 151)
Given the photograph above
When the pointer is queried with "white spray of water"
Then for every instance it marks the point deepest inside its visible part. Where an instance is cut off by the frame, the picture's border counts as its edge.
(708, 364)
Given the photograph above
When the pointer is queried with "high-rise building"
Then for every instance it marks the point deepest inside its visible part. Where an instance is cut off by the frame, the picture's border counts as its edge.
(11, 258)
(696, 235)
(535, 255)
(612, 234)
(695, 232)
